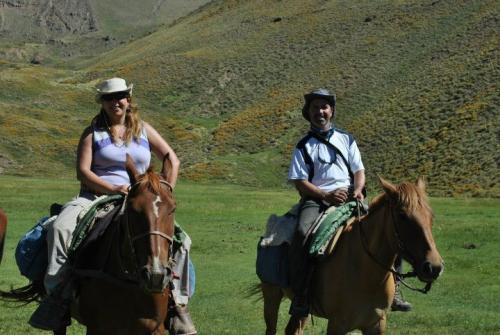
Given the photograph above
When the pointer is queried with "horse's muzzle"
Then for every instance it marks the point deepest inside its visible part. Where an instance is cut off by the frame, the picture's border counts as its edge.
(154, 281)
(428, 272)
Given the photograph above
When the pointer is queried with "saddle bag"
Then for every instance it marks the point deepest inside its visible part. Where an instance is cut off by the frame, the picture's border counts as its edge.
(272, 264)
(31, 251)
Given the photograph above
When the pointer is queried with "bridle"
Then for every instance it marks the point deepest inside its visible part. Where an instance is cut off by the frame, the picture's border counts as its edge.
(130, 277)
(403, 250)
(151, 232)
(134, 238)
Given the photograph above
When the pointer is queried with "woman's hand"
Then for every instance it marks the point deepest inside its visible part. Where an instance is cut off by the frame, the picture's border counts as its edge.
(120, 189)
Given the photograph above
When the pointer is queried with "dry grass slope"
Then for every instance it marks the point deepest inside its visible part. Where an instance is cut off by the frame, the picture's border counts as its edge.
(416, 83)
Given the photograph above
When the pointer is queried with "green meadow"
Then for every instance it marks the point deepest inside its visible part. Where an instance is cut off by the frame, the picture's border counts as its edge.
(225, 223)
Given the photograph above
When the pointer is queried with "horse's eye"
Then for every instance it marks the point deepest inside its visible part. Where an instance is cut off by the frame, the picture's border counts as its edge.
(403, 216)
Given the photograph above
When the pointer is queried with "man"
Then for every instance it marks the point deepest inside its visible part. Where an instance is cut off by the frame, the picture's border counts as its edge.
(327, 170)
(325, 175)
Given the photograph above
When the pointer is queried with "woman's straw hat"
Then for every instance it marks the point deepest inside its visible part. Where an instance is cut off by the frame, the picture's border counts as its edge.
(112, 85)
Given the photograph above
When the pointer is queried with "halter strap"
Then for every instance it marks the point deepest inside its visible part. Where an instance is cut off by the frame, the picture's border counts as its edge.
(153, 232)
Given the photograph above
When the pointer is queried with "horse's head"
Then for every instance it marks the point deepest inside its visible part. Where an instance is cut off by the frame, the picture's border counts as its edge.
(150, 220)
(412, 218)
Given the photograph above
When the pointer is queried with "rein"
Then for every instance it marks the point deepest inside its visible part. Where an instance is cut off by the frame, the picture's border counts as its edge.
(399, 276)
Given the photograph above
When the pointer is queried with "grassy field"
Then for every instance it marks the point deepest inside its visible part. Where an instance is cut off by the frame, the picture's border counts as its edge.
(225, 223)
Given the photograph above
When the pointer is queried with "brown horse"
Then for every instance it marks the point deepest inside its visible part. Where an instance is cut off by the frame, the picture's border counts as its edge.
(354, 287)
(128, 291)
(3, 231)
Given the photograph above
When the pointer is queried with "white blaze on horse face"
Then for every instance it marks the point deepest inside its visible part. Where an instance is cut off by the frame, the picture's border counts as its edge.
(157, 266)
(156, 205)
(156, 212)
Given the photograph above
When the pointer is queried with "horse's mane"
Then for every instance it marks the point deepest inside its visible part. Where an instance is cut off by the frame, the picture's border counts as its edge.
(150, 180)
(410, 198)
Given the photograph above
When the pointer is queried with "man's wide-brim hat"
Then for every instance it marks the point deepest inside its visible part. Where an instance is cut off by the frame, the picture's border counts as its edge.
(320, 93)
(113, 85)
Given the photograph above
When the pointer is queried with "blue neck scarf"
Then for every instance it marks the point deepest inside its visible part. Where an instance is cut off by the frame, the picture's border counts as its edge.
(323, 133)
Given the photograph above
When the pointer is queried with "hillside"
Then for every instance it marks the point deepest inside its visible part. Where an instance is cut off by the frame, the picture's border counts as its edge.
(416, 83)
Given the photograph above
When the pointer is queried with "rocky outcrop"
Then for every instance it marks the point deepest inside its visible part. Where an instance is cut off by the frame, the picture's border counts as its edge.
(66, 16)
(45, 19)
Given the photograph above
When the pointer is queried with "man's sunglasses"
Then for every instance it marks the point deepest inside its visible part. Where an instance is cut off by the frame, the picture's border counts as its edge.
(115, 96)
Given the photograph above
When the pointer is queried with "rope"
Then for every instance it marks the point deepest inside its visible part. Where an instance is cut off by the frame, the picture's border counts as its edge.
(399, 276)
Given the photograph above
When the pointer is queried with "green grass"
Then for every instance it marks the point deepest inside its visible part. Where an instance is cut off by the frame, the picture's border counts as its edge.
(225, 223)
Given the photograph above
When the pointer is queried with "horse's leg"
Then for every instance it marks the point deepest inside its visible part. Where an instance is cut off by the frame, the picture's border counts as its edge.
(334, 329)
(377, 328)
(60, 331)
(159, 331)
(272, 299)
(296, 325)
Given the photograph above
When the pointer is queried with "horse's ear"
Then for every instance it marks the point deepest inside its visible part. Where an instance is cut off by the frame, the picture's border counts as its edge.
(388, 187)
(421, 184)
(166, 168)
(131, 170)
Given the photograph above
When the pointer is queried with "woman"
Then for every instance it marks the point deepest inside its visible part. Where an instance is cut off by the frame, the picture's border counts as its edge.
(115, 131)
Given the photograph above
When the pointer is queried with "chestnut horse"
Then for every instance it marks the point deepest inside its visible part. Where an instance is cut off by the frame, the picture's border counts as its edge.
(3, 231)
(130, 294)
(354, 287)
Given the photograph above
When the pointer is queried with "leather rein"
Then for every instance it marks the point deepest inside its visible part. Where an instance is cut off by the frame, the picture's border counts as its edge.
(402, 250)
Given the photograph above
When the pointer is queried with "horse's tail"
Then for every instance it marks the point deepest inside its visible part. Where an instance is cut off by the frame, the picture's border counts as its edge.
(34, 291)
(254, 291)
(3, 231)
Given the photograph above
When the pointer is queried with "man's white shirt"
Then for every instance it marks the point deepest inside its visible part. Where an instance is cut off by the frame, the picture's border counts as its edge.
(330, 171)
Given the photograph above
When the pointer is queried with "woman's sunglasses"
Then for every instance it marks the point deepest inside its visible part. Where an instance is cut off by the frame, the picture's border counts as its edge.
(115, 96)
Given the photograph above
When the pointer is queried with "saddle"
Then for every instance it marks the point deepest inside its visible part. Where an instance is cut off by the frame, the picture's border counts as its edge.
(328, 227)
(279, 263)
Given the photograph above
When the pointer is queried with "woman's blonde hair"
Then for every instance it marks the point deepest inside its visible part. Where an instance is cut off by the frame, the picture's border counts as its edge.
(133, 123)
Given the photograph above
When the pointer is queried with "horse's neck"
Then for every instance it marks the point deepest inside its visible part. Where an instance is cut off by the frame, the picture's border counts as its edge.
(122, 260)
(112, 251)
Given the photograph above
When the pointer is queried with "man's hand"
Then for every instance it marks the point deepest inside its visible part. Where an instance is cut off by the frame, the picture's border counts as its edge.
(358, 194)
(337, 197)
